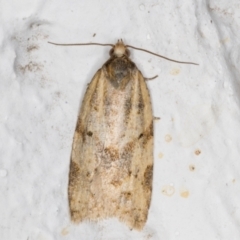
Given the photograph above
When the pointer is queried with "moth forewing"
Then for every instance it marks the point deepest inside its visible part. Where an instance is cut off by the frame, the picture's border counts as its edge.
(112, 152)
(111, 167)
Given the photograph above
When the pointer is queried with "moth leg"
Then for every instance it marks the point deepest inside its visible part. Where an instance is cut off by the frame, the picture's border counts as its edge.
(147, 79)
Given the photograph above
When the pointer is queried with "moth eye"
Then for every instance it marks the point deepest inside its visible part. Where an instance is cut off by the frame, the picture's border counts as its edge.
(111, 52)
(127, 52)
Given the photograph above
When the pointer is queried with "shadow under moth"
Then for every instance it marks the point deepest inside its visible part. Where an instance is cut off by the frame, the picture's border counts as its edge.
(111, 167)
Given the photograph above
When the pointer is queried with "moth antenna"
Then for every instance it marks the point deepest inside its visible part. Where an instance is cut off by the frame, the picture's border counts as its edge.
(81, 44)
(158, 55)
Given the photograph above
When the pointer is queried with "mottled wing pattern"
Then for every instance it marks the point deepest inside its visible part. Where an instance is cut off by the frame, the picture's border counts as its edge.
(112, 155)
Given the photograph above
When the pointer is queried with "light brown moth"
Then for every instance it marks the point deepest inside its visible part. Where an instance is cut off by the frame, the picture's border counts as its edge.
(111, 166)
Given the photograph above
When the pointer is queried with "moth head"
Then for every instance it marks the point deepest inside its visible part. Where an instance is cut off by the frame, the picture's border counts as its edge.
(119, 50)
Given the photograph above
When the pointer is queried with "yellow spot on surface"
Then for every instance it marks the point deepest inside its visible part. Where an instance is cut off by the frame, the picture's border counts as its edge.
(191, 167)
(224, 40)
(160, 155)
(184, 193)
(175, 71)
(65, 231)
(168, 190)
(197, 152)
(168, 138)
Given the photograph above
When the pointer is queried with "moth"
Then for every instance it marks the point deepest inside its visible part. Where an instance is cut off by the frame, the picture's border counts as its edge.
(111, 167)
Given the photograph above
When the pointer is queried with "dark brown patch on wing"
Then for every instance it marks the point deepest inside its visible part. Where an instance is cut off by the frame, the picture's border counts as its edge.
(116, 183)
(89, 133)
(74, 173)
(147, 183)
(126, 196)
(128, 150)
(74, 177)
(141, 104)
(128, 107)
(140, 136)
(80, 127)
(83, 133)
(147, 135)
(111, 153)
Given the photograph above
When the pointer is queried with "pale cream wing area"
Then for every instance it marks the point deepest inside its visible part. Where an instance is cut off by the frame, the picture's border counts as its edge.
(112, 154)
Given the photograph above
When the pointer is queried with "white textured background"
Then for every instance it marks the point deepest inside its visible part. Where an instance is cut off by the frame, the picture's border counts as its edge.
(196, 187)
